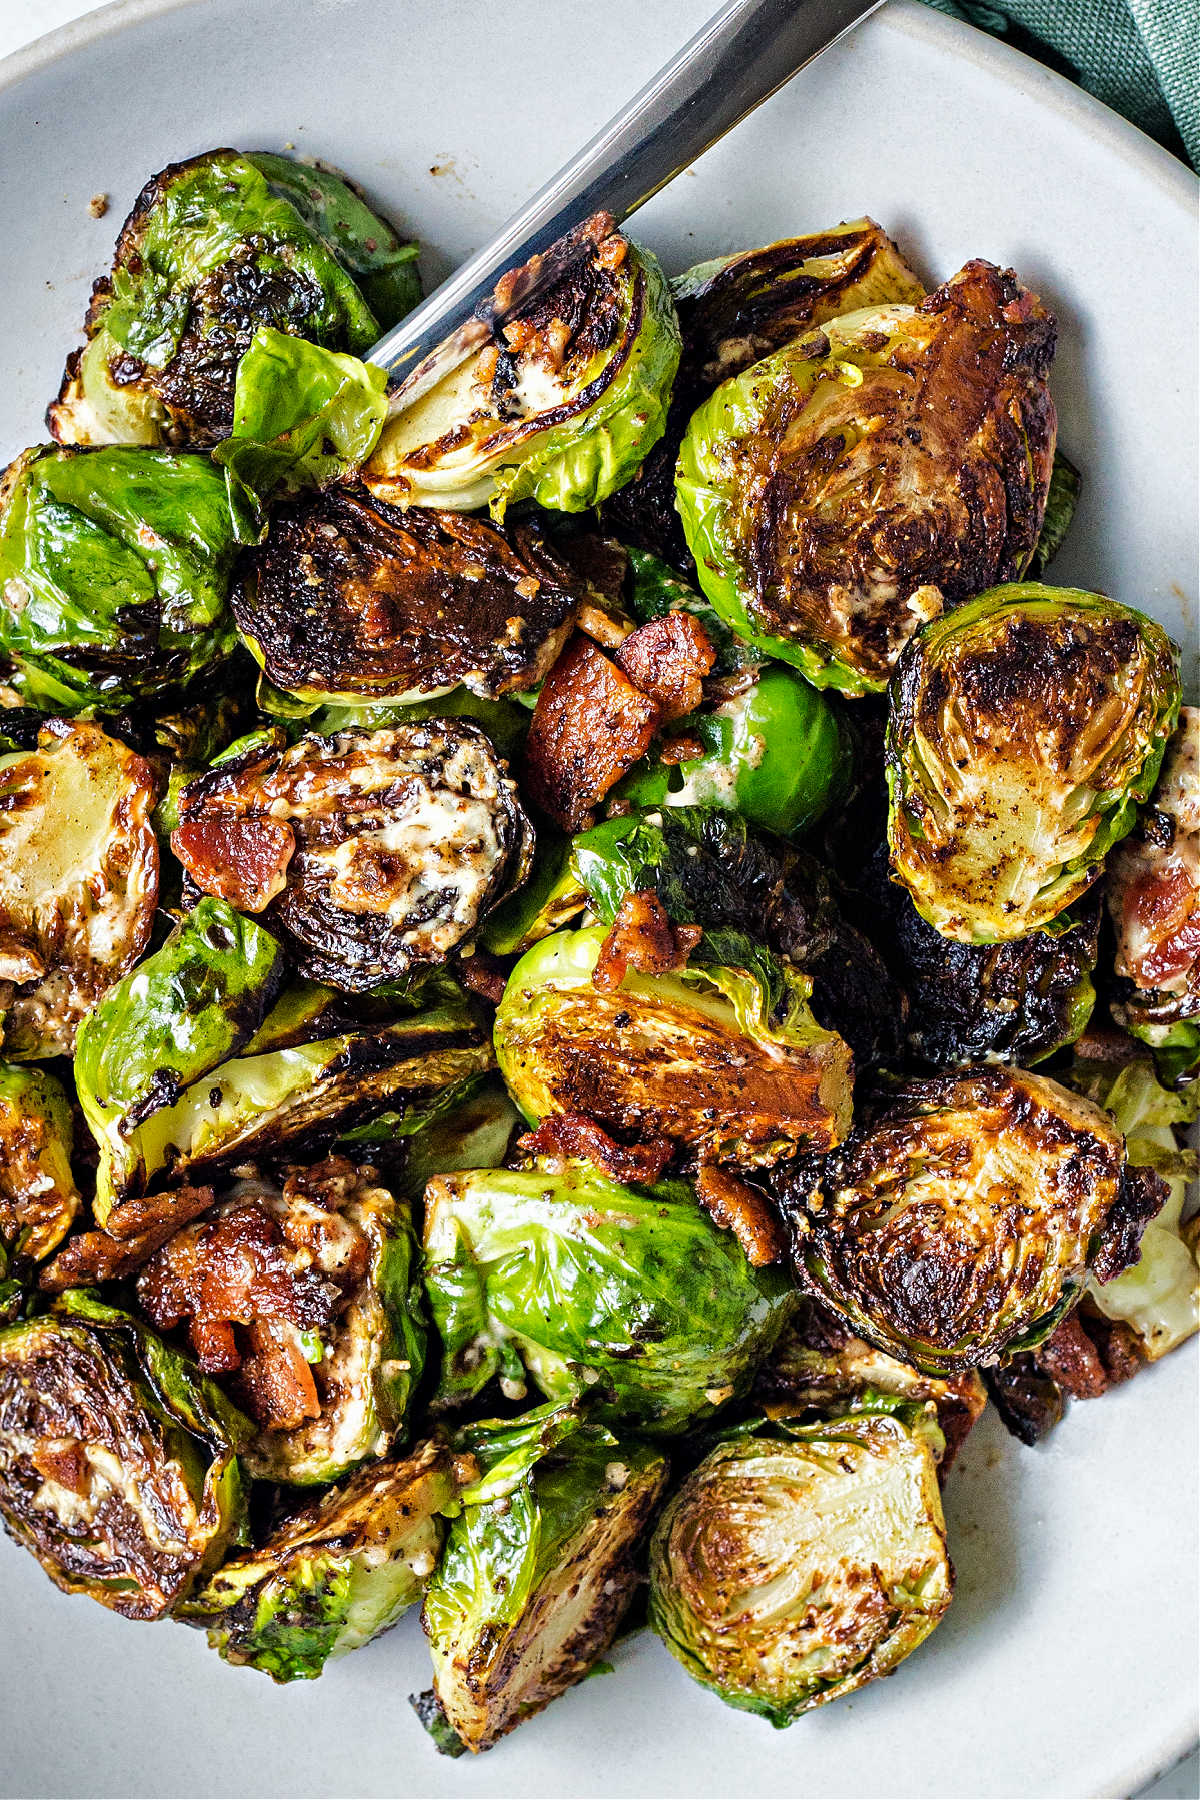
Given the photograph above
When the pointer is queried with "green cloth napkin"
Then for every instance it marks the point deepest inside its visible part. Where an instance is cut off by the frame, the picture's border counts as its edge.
(1141, 57)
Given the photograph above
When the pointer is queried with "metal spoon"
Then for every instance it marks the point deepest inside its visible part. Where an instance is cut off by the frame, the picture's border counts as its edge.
(744, 54)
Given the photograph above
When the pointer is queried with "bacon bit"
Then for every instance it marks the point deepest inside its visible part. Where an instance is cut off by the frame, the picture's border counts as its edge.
(243, 861)
(134, 1218)
(602, 626)
(589, 726)
(667, 659)
(612, 252)
(95, 1256)
(565, 1135)
(519, 334)
(330, 1183)
(642, 937)
(481, 974)
(485, 364)
(737, 1207)
(276, 1382)
(557, 336)
(684, 748)
(62, 1461)
(1070, 1357)
(215, 1345)
(1117, 1346)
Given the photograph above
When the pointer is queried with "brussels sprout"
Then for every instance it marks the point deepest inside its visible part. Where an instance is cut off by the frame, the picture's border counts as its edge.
(350, 600)
(372, 853)
(539, 1566)
(793, 1567)
(631, 1295)
(551, 895)
(215, 248)
(1026, 727)
(1061, 501)
(39, 1200)
(728, 1059)
(831, 504)
(960, 1220)
(118, 1465)
(557, 402)
(468, 1126)
(502, 722)
(114, 566)
(1154, 899)
(334, 1575)
(78, 879)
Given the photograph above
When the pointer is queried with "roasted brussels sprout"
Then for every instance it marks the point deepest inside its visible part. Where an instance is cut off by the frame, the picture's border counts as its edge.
(539, 1566)
(725, 1058)
(468, 1126)
(631, 1295)
(831, 502)
(214, 248)
(372, 853)
(1153, 893)
(118, 1465)
(959, 1221)
(556, 398)
(1061, 502)
(39, 1200)
(1026, 727)
(114, 565)
(355, 601)
(78, 879)
(796, 1565)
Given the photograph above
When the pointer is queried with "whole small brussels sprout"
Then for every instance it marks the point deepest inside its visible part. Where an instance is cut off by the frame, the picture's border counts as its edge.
(115, 566)
(831, 505)
(118, 1465)
(39, 1200)
(630, 1295)
(958, 1220)
(214, 248)
(539, 1566)
(556, 398)
(795, 1565)
(1026, 727)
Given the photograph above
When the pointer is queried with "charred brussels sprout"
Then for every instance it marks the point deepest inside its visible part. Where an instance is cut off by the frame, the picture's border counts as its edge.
(793, 1567)
(334, 1575)
(959, 1222)
(372, 853)
(118, 1464)
(831, 503)
(38, 1196)
(728, 1059)
(215, 248)
(558, 401)
(468, 1126)
(631, 1295)
(539, 1566)
(114, 566)
(351, 600)
(1026, 727)
(79, 874)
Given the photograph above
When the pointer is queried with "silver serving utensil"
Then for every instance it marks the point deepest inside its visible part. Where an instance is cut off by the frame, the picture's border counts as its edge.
(745, 53)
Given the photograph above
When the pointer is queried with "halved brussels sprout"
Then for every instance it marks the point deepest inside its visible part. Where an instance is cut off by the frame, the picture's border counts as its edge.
(118, 1465)
(372, 853)
(503, 722)
(960, 1220)
(351, 600)
(630, 1295)
(468, 1126)
(539, 1566)
(333, 1576)
(214, 248)
(727, 1059)
(557, 402)
(114, 568)
(845, 488)
(78, 879)
(39, 1200)
(1026, 727)
(794, 1566)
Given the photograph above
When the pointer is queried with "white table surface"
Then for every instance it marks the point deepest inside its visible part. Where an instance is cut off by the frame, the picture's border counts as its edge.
(23, 20)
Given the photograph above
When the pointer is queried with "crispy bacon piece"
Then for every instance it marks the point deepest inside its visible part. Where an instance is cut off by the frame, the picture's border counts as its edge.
(110, 1256)
(481, 974)
(243, 861)
(601, 625)
(736, 1206)
(1070, 1358)
(667, 658)
(681, 749)
(275, 1381)
(643, 938)
(590, 725)
(565, 1135)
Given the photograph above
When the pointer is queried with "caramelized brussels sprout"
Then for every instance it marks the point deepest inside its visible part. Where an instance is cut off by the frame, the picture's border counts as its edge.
(468, 1126)
(794, 1566)
(539, 1566)
(39, 1200)
(631, 1295)
(960, 1220)
(351, 600)
(843, 489)
(557, 398)
(372, 853)
(214, 248)
(334, 1575)
(78, 879)
(1026, 728)
(725, 1058)
(118, 1465)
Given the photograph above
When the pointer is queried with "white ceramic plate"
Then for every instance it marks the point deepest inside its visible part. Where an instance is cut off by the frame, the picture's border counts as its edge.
(1068, 1663)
